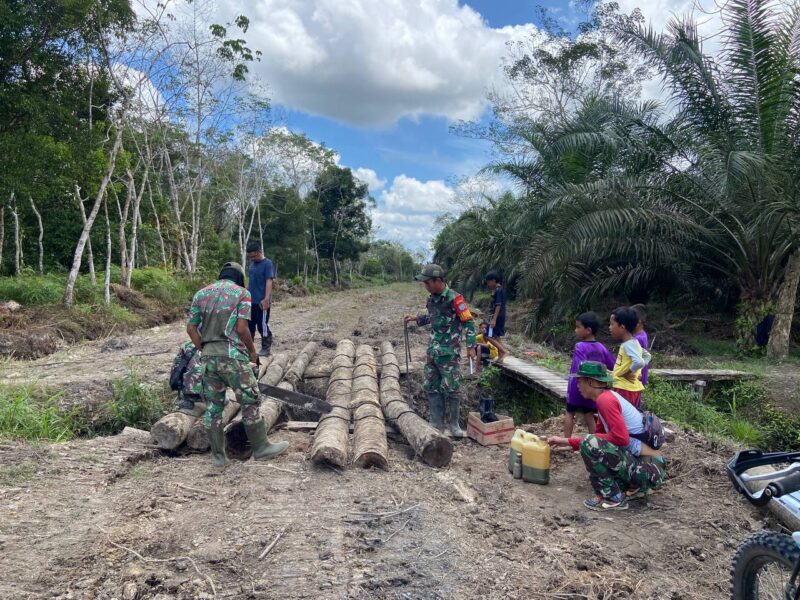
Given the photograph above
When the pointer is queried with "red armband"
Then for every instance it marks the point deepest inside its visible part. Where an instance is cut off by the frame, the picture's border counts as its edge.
(461, 308)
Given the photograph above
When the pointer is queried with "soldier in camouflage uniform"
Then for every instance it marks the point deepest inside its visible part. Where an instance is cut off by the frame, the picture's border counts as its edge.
(221, 311)
(620, 465)
(447, 315)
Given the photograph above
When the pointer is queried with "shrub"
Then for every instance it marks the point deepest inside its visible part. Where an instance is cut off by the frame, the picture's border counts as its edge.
(163, 286)
(136, 404)
(32, 289)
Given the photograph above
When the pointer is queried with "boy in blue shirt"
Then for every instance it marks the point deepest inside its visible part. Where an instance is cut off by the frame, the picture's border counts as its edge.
(260, 276)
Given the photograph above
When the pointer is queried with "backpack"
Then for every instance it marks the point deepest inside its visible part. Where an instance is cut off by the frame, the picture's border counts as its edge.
(179, 366)
(653, 434)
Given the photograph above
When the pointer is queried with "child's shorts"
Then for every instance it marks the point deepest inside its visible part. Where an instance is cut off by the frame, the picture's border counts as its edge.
(634, 398)
(580, 409)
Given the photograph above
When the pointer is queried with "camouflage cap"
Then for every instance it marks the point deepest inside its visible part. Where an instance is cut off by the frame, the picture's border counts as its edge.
(593, 370)
(429, 272)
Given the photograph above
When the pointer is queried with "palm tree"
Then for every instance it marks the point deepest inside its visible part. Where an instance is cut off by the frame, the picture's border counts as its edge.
(736, 137)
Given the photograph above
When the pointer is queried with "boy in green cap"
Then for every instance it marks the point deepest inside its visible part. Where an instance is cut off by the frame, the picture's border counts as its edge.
(616, 459)
(448, 314)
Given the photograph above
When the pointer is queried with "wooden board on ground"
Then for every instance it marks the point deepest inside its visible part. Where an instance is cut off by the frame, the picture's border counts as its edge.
(692, 375)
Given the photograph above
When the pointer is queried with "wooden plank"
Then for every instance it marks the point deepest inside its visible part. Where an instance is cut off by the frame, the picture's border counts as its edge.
(702, 374)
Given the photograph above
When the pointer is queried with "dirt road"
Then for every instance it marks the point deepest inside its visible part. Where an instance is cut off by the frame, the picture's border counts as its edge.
(111, 518)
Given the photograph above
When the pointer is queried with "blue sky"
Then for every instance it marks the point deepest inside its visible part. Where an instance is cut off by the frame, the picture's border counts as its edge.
(382, 81)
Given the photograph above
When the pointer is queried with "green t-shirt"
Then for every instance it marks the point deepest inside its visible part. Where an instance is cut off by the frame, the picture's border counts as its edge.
(215, 309)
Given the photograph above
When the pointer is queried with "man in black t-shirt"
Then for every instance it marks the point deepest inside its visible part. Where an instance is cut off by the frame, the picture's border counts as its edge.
(497, 314)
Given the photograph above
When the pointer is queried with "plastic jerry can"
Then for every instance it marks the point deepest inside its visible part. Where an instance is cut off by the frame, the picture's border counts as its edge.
(515, 453)
(535, 460)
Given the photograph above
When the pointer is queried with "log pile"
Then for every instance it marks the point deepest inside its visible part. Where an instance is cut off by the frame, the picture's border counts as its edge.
(428, 443)
(369, 434)
(331, 438)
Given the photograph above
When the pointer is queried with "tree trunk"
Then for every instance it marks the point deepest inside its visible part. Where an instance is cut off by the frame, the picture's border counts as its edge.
(750, 312)
(40, 266)
(236, 439)
(2, 234)
(90, 253)
(171, 430)
(369, 434)
(17, 241)
(137, 203)
(331, 438)
(123, 221)
(158, 225)
(778, 345)
(173, 193)
(87, 228)
(107, 274)
(430, 445)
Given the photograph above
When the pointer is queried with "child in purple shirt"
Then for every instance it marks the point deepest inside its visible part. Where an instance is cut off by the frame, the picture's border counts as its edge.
(641, 335)
(587, 348)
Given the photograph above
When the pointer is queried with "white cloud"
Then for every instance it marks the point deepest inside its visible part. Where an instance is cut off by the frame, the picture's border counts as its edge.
(408, 210)
(368, 62)
(370, 177)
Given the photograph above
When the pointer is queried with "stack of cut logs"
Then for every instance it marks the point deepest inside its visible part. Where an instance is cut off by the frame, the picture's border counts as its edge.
(356, 393)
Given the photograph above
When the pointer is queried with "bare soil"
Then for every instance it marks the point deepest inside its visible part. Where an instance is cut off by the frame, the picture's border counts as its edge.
(112, 518)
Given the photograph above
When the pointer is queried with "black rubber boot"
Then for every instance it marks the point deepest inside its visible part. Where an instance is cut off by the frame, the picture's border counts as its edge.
(216, 436)
(453, 406)
(262, 448)
(436, 409)
(266, 344)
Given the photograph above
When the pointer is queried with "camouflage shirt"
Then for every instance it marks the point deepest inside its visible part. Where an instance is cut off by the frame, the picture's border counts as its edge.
(447, 315)
(193, 376)
(217, 307)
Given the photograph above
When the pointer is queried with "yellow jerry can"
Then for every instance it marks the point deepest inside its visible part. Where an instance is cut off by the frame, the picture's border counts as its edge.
(535, 460)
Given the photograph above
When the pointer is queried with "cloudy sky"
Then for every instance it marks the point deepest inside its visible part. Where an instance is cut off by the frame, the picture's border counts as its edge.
(381, 81)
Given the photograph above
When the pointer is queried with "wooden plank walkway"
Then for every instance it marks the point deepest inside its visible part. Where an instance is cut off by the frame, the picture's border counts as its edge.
(554, 384)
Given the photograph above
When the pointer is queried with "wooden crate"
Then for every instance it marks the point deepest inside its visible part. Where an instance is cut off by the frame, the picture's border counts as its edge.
(488, 434)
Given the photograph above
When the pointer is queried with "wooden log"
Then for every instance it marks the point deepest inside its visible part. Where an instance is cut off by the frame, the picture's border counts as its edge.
(323, 371)
(265, 363)
(236, 441)
(331, 439)
(369, 433)
(171, 430)
(295, 373)
(197, 439)
(430, 445)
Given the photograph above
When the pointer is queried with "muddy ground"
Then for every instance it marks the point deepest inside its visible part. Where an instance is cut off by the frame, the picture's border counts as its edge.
(112, 518)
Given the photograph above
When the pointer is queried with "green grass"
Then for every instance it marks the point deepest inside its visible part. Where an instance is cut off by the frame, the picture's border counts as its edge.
(32, 414)
(738, 411)
(164, 286)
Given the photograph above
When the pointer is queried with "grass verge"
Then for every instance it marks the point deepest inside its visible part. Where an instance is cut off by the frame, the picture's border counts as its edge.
(32, 413)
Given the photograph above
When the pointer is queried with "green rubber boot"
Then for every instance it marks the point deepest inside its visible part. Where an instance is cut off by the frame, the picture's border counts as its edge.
(453, 405)
(216, 436)
(436, 409)
(262, 448)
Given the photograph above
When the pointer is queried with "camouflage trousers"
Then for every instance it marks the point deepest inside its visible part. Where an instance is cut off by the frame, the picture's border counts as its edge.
(613, 470)
(220, 373)
(442, 375)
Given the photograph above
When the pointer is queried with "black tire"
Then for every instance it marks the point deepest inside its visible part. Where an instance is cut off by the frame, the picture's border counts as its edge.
(763, 555)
